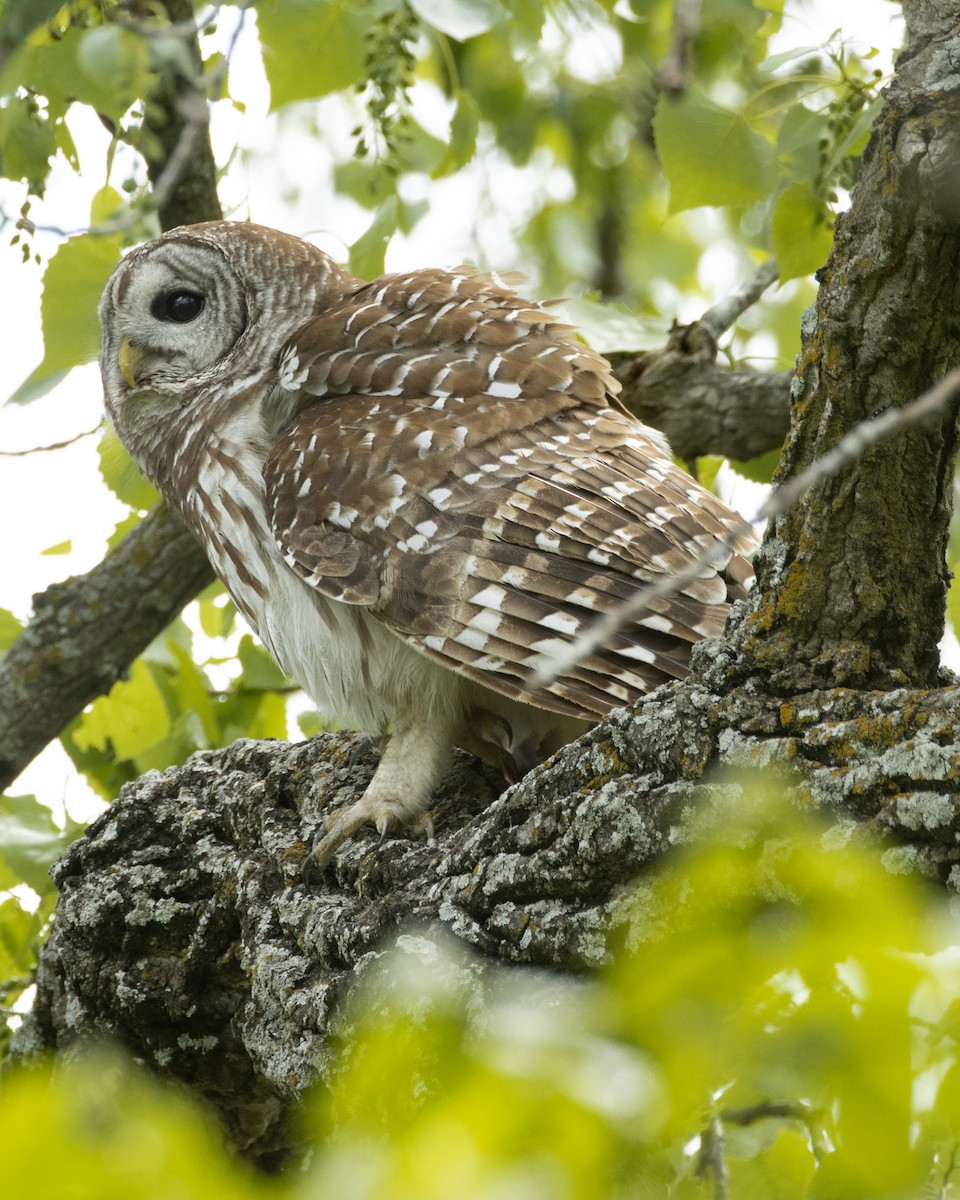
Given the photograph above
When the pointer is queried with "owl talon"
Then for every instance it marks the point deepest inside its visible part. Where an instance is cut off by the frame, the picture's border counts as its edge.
(341, 826)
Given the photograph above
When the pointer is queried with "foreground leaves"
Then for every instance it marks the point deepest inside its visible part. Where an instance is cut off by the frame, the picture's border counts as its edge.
(778, 1015)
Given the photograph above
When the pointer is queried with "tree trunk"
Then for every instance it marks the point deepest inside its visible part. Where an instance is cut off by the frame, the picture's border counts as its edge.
(186, 929)
(853, 581)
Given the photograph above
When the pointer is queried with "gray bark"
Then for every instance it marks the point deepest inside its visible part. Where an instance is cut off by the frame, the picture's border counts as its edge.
(187, 931)
(703, 408)
(86, 632)
(853, 581)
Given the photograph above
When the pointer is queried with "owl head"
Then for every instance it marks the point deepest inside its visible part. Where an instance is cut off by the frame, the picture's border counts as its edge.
(190, 317)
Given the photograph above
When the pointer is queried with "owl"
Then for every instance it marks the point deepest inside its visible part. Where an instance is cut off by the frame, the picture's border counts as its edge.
(417, 491)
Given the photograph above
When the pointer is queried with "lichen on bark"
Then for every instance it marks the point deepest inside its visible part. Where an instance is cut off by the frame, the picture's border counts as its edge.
(852, 581)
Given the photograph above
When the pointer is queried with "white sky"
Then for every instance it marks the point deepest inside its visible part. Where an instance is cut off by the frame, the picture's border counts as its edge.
(47, 499)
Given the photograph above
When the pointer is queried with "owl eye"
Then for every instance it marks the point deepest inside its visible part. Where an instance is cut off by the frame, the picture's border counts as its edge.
(180, 306)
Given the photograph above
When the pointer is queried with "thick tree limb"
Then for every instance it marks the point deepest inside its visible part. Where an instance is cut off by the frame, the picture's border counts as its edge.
(853, 580)
(703, 408)
(228, 972)
(87, 631)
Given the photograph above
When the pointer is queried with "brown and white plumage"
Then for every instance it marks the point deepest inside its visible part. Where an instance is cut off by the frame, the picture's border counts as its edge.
(416, 490)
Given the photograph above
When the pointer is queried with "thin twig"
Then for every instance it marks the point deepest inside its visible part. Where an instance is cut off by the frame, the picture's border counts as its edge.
(850, 447)
(721, 316)
(53, 445)
(711, 1163)
(674, 68)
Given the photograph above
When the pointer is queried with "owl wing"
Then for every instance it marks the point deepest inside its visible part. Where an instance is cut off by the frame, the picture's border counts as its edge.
(473, 490)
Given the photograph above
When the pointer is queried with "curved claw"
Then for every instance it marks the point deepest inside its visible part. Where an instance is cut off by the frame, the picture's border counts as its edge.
(340, 826)
(411, 764)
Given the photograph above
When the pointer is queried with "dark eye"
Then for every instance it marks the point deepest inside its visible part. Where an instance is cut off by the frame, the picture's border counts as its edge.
(180, 306)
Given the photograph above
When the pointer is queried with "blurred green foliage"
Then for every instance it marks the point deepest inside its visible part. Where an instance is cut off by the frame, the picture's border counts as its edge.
(778, 1020)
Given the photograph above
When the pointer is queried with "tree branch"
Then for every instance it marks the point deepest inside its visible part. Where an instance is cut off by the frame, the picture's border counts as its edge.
(87, 631)
(228, 972)
(700, 407)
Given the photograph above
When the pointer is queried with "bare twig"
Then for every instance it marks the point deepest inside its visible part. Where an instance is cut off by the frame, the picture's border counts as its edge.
(674, 68)
(77, 437)
(721, 316)
(711, 1163)
(850, 447)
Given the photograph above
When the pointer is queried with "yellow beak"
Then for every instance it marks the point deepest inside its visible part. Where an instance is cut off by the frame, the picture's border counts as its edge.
(129, 358)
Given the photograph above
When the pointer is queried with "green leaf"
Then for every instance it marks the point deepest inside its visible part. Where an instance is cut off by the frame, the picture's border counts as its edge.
(18, 943)
(27, 141)
(708, 465)
(217, 611)
(759, 469)
(10, 629)
(59, 548)
(953, 599)
(368, 251)
(459, 19)
(798, 141)
(118, 1134)
(784, 1171)
(259, 669)
(106, 203)
(363, 180)
(122, 475)
(30, 841)
(711, 155)
(310, 724)
(311, 47)
(801, 237)
(132, 718)
(114, 65)
(462, 142)
(106, 68)
(72, 284)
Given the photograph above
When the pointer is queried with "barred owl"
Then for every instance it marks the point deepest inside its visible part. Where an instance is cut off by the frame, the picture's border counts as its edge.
(416, 490)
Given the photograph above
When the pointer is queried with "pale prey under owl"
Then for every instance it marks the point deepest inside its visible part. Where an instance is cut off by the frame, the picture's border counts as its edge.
(416, 490)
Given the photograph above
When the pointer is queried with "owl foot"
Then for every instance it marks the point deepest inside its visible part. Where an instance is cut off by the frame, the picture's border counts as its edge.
(410, 767)
(343, 825)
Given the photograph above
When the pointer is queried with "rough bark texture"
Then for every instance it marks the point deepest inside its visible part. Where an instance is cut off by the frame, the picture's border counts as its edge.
(704, 408)
(186, 930)
(86, 632)
(853, 581)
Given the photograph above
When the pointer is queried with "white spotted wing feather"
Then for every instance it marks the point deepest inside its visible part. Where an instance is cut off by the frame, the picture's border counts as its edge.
(463, 475)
